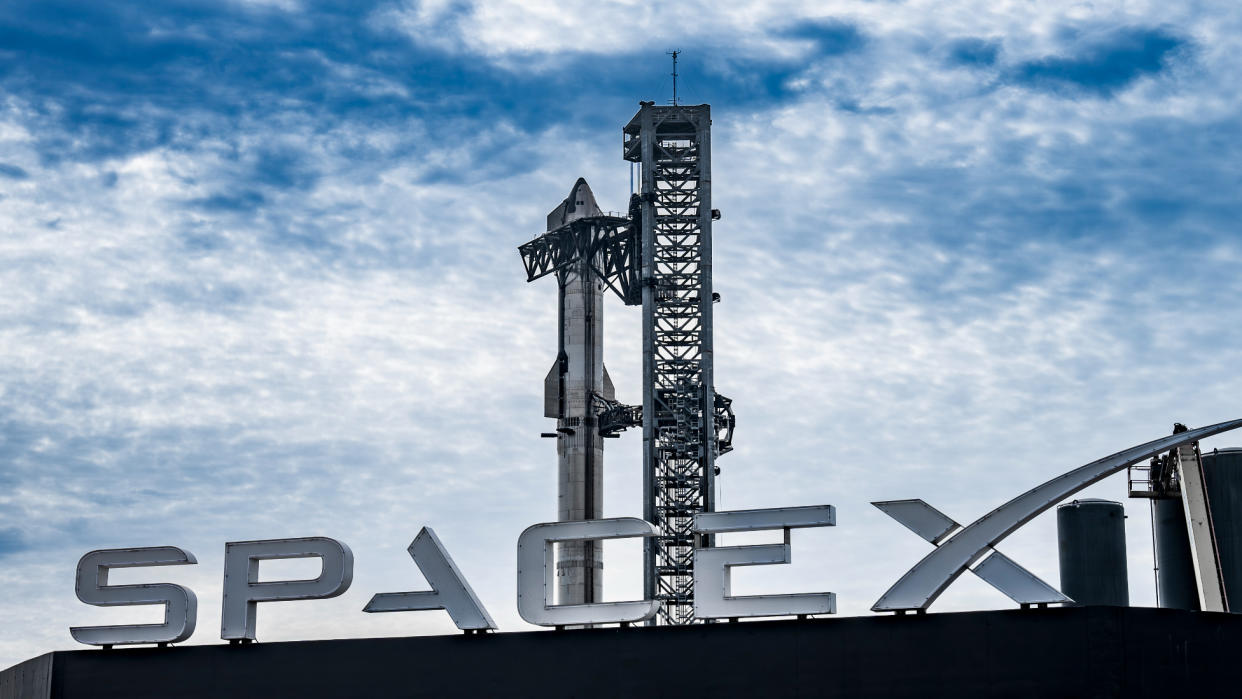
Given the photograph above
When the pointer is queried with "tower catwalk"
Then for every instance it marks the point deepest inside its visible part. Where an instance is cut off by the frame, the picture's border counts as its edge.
(672, 145)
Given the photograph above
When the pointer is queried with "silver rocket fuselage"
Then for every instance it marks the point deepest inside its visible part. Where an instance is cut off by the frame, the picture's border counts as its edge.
(575, 378)
(580, 448)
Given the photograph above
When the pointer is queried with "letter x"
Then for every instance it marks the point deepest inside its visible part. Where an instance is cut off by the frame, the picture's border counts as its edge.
(998, 570)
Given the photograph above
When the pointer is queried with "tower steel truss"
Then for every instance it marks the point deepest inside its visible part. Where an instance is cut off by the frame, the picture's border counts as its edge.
(610, 244)
(672, 145)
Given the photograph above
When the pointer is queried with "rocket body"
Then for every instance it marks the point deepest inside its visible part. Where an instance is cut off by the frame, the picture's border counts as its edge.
(576, 376)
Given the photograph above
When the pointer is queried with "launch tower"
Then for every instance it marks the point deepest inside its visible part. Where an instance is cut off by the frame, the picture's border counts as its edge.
(659, 257)
(682, 414)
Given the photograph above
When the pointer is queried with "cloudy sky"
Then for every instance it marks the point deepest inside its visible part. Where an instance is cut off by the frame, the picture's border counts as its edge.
(260, 275)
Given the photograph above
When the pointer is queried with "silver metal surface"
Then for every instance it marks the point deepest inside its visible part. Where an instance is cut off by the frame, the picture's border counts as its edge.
(449, 589)
(998, 570)
(923, 583)
(713, 595)
(764, 519)
(580, 447)
(713, 567)
(91, 586)
(1208, 579)
(932, 525)
(537, 570)
(577, 386)
(1017, 583)
(243, 591)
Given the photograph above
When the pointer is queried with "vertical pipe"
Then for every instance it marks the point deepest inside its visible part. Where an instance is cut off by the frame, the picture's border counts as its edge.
(707, 364)
(566, 589)
(1155, 558)
(561, 356)
(647, 192)
(592, 457)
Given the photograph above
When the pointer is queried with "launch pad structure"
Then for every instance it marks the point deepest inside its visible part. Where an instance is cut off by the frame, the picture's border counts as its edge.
(659, 257)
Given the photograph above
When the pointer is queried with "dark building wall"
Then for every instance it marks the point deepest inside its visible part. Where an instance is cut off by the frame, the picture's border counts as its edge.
(1069, 652)
(32, 678)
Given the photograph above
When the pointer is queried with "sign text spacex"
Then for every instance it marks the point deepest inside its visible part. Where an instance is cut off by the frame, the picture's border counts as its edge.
(243, 590)
(957, 549)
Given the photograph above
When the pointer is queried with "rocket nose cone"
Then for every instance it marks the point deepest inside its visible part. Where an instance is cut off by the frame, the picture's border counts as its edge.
(579, 204)
(582, 200)
(581, 191)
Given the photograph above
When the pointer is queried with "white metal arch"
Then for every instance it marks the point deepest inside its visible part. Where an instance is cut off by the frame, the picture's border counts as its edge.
(922, 584)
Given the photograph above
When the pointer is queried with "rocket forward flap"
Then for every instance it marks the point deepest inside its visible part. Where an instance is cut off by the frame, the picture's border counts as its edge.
(552, 391)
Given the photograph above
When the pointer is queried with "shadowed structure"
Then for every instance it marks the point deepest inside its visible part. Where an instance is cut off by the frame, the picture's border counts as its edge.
(1058, 652)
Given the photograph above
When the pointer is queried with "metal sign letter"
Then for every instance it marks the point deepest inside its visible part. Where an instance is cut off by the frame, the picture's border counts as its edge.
(243, 591)
(180, 604)
(536, 574)
(713, 597)
(449, 590)
(923, 583)
(998, 570)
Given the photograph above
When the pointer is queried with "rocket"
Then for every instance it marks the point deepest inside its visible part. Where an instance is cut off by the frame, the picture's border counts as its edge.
(569, 390)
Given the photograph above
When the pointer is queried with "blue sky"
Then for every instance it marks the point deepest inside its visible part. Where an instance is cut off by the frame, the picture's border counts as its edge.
(261, 275)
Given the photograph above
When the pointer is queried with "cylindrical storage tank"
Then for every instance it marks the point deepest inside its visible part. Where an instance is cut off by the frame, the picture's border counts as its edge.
(1175, 573)
(1092, 539)
(1222, 472)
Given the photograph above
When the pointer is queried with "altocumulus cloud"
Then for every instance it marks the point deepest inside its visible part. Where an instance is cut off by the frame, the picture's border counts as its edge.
(1103, 64)
(260, 277)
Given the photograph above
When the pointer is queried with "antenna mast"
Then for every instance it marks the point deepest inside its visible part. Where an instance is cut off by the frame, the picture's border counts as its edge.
(675, 53)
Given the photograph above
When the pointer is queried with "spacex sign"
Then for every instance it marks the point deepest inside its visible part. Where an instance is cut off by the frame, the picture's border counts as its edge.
(243, 591)
(957, 549)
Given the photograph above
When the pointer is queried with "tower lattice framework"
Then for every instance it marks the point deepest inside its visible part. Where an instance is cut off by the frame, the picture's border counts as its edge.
(672, 145)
